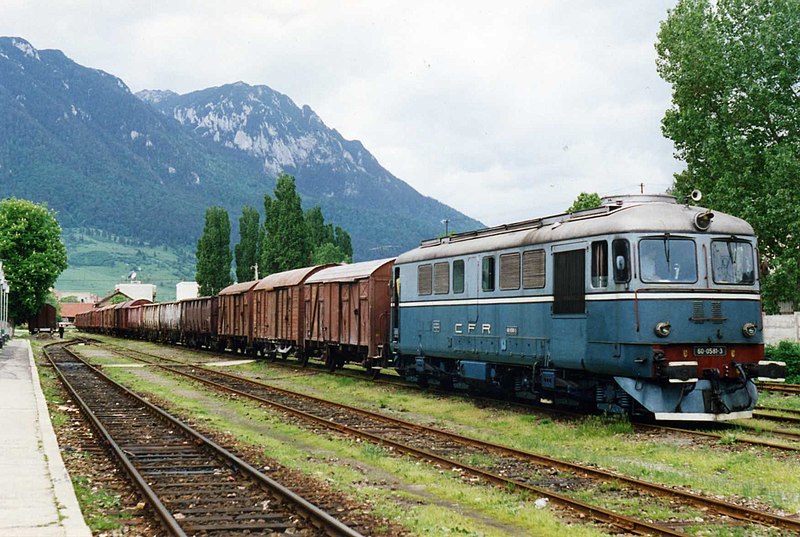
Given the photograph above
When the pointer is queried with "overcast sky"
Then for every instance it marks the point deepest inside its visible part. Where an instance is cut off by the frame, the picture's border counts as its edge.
(503, 110)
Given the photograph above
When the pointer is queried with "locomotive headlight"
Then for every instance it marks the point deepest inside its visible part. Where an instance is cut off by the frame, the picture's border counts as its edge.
(749, 329)
(663, 329)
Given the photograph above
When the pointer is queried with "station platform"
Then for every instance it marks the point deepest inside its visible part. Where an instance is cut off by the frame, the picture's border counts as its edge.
(36, 494)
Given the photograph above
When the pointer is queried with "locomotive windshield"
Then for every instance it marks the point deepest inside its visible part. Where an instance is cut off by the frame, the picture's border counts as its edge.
(732, 262)
(668, 260)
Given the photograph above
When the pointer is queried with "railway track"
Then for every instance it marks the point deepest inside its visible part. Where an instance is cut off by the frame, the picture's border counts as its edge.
(193, 485)
(526, 407)
(499, 464)
(780, 387)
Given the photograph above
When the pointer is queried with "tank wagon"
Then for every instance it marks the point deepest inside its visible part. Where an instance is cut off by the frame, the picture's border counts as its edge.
(640, 306)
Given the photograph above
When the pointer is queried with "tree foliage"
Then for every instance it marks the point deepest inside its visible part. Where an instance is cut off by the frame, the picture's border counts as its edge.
(286, 245)
(585, 200)
(329, 244)
(247, 251)
(734, 67)
(32, 253)
(214, 252)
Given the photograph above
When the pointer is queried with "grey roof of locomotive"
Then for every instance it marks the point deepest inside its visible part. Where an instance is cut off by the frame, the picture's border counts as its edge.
(626, 214)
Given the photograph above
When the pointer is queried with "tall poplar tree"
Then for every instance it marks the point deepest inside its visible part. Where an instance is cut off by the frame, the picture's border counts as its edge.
(247, 251)
(214, 253)
(286, 245)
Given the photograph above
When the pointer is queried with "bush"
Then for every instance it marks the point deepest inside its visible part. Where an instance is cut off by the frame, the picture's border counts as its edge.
(789, 352)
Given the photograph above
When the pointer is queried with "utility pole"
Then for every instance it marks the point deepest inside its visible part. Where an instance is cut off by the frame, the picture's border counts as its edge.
(255, 267)
(446, 223)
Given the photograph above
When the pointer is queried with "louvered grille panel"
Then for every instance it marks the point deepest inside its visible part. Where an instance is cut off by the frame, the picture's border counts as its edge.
(533, 269)
(441, 278)
(509, 271)
(424, 277)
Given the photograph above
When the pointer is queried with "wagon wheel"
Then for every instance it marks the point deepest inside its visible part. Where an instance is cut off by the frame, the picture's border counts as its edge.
(303, 357)
(330, 359)
(375, 372)
(373, 369)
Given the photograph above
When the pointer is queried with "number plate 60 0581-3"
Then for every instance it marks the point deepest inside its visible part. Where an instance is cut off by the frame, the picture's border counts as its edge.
(710, 350)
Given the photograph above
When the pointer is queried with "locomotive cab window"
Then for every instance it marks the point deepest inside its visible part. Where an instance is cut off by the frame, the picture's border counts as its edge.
(487, 273)
(599, 264)
(458, 276)
(424, 279)
(620, 257)
(732, 262)
(668, 260)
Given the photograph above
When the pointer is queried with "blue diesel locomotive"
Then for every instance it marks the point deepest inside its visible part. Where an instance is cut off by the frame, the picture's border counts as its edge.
(642, 306)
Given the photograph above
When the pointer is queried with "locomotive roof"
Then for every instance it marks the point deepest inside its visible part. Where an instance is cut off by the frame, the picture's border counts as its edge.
(288, 278)
(238, 288)
(648, 214)
(348, 273)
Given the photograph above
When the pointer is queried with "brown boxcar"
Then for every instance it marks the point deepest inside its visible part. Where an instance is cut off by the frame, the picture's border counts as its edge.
(44, 320)
(199, 318)
(347, 313)
(278, 311)
(235, 317)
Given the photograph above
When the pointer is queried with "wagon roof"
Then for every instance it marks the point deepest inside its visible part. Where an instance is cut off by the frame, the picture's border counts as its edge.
(131, 303)
(651, 214)
(348, 273)
(288, 278)
(238, 288)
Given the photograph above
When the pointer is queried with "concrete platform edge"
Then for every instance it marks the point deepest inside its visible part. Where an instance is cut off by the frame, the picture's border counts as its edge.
(67, 503)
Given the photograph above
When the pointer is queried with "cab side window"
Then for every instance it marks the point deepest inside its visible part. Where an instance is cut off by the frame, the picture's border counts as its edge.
(487, 273)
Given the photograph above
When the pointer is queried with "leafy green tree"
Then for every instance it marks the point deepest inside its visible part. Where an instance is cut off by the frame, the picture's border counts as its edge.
(584, 201)
(328, 244)
(286, 245)
(734, 67)
(329, 253)
(342, 241)
(32, 253)
(214, 252)
(247, 251)
(318, 232)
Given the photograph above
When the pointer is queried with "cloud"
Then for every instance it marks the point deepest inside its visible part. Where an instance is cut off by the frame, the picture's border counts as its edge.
(504, 111)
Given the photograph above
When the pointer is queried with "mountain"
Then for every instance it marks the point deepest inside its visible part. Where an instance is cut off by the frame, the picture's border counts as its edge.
(384, 214)
(144, 169)
(78, 139)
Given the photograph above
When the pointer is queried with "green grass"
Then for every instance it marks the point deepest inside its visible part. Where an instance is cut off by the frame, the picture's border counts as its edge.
(100, 507)
(606, 442)
(427, 500)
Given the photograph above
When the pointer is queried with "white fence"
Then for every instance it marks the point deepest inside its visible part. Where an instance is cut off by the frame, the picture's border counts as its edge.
(781, 327)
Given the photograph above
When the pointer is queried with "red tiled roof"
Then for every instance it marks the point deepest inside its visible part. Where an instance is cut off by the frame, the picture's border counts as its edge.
(72, 309)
